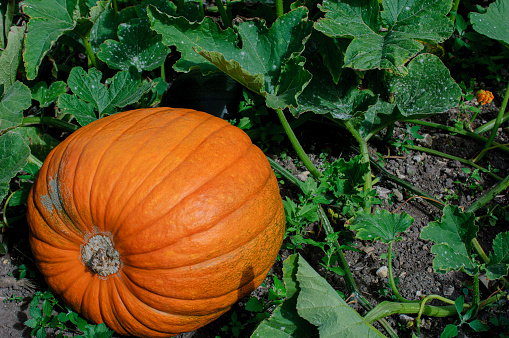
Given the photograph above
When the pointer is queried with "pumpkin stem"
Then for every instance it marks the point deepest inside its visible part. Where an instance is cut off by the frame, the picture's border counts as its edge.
(100, 256)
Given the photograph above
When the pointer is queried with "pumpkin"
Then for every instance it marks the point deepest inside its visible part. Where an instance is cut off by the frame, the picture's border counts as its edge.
(155, 221)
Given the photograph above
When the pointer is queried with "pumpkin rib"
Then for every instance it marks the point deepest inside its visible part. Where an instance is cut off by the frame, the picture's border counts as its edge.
(119, 226)
(239, 205)
(69, 141)
(156, 167)
(111, 143)
(196, 267)
(162, 161)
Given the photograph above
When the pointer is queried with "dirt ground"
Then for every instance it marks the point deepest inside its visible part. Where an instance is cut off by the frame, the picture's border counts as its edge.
(412, 256)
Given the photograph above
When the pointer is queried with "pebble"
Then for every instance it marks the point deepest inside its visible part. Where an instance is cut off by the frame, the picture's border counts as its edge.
(383, 272)
(449, 291)
(303, 176)
(398, 194)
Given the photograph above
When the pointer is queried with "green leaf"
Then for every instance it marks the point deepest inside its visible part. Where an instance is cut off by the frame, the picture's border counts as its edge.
(321, 305)
(16, 99)
(45, 95)
(81, 110)
(186, 36)
(106, 25)
(89, 93)
(493, 23)
(47, 308)
(381, 225)
(387, 46)
(268, 62)
(285, 322)
(253, 304)
(340, 101)
(378, 115)
(49, 19)
(450, 331)
(138, 46)
(499, 258)
(427, 89)
(453, 236)
(35, 312)
(11, 56)
(32, 322)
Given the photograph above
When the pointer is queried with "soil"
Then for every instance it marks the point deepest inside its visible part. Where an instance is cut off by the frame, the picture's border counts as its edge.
(412, 256)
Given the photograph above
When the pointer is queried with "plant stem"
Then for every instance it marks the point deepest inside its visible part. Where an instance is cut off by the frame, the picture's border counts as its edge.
(279, 8)
(423, 305)
(498, 121)
(451, 157)
(387, 308)
(224, 16)
(364, 151)
(489, 195)
(34, 160)
(115, 6)
(489, 125)
(51, 121)
(284, 172)
(296, 145)
(467, 133)
(90, 53)
(455, 10)
(202, 9)
(391, 277)
(350, 281)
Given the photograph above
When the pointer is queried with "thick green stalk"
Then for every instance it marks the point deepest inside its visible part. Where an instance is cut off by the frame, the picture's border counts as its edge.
(489, 195)
(364, 151)
(90, 53)
(467, 133)
(454, 9)
(423, 306)
(279, 8)
(498, 121)
(296, 145)
(51, 121)
(285, 173)
(451, 157)
(202, 9)
(34, 160)
(489, 125)
(391, 278)
(475, 291)
(227, 22)
(115, 6)
(350, 281)
(387, 308)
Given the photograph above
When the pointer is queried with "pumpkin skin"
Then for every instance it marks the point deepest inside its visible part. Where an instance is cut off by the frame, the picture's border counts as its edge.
(189, 203)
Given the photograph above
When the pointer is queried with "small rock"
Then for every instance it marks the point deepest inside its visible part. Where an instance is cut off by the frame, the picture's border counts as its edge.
(430, 269)
(398, 194)
(449, 291)
(382, 272)
(303, 176)
(382, 192)
(427, 140)
(418, 294)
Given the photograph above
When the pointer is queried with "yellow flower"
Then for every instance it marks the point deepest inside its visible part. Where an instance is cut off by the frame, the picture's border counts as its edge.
(484, 96)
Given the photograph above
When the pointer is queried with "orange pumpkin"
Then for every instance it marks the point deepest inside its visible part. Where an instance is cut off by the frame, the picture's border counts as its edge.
(155, 221)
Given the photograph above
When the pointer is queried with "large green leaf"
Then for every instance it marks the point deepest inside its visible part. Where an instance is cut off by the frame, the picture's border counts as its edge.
(16, 99)
(493, 23)
(427, 89)
(267, 63)
(387, 39)
(106, 25)
(89, 93)
(499, 258)
(14, 153)
(11, 56)
(49, 20)
(453, 236)
(138, 46)
(187, 36)
(321, 305)
(381, 225)
(285, 322)
(45, 95)
(323, 96)
(40, 143)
